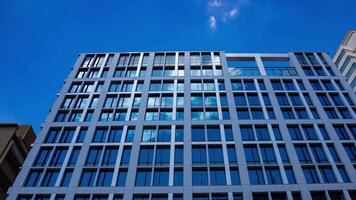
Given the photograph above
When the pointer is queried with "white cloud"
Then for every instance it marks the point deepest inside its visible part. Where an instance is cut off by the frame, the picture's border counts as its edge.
(223, 10)
(215, 3)
(212, 22)
(233, 12)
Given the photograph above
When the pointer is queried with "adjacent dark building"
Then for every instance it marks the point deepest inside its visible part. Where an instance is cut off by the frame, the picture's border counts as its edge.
(15, 143)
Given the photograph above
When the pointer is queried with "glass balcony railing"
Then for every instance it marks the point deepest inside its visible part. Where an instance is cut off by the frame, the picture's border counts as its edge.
(244, 71)
(281, 71)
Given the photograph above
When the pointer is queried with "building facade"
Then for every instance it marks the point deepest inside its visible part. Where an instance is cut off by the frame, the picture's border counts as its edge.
(196, 125)
(345, 58)
(15, 143)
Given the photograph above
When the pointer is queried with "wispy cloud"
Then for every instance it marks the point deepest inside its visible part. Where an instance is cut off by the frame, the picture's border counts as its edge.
(233, 12)
(212, 22)
(215, 3)
(223, 10)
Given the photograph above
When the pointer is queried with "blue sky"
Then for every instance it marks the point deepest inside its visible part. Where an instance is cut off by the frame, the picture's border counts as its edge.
(40, 40)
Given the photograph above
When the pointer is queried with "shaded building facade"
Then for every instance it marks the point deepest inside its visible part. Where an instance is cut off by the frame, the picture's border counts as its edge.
(15, 143)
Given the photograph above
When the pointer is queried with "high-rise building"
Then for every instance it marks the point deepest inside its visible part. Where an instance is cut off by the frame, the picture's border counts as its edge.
(345, 58)
(196, 125)
(15, 143)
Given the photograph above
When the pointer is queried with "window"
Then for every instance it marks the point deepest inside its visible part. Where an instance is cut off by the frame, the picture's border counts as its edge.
(266, 100)
(50, 178)
(253, 100)
(160, 178)
(228, 134)
(74, 157)
(88, 60)
(262, 133)
(149, 135)
(66, 136)
(68, 102)
(52, 135)
(295, 99)
(327, 174)
(100, 135)
(301, 113)
(104, 178)
(240, 100)
(242, 114)
(66, 178)
(162, 156)
(303, 155)
(198, 134)
(165, 116)
(336, 99)
(126, 87)
(300, 84)
(215, 155)
(121, 178)
(199, 155)
(309, 133)
(217, 177)
(310, 175)
(351, 151)
(178, 177)
(33, 178)
(115, 135)
(110, 155)
(178, 156)
(247, 133)
(200, 177)
(58, 157)
(256, 176)
(130, 135)
(143, 178)
(87, 179)
(318, 153)
(343, 174)
(235, 176)
(106, 116)
(276, 85)
(196, 100)
(273, 176)
(268, 155)
(277, 133)
(213, 134)
(146, 156)
(323, 132)
(200, 197)
(333, 153)
(94, 156)
(81, 135)
(251, 155)
(330, 112)
(43, 157)
(270, 113)
(295, 133)
(283, 153)
(341, 132)
(290, 175)
(164, 135)
(179, 134)
(282, 99)
(249, 85)
(324, 99)
(257, 113)
(125, 159)
(231, 153)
